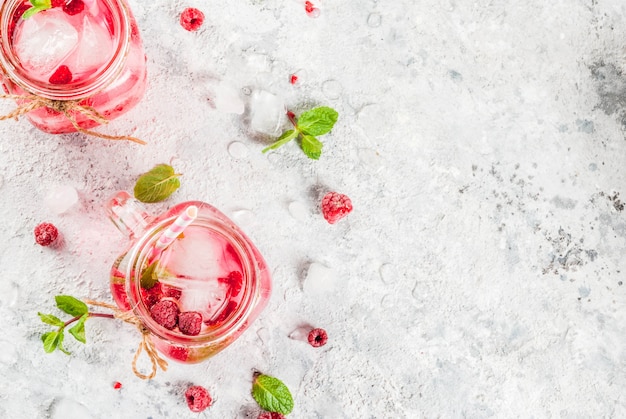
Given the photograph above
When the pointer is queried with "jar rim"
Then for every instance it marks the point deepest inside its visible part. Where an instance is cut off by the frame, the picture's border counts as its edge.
(139, 255)
(99, 80)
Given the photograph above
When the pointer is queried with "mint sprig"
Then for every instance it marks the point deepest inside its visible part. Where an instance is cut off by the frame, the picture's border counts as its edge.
(74, 307)
(157, 184)
(272, 394)
(314, 122)
(37, 6)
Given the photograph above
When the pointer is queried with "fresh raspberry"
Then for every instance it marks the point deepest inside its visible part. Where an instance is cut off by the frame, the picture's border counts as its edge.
(308, 6)
(270, 415)
(198, 398)
(165, 313)
(190, 322)
(74, 7)
(172, 292)
(153, 295)
(318, 337)
(335, 206)
(293, 79)
(57, 3)
(177, 352)
(46, 234)
(62, 75)
(191, 19)
(117, 385)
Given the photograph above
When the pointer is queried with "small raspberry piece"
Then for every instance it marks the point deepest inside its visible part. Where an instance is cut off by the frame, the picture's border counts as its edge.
(74, 7)
(318, 337)
(198, 398)
(165, 313)
(178, 353)
(62, 75)
(57, 3)
(46, 234)
(190, 322)
(308, 6)
(172, 292)
(117, 385)
(191, 19)
(293, 79)
(335, 206)
(270, 415)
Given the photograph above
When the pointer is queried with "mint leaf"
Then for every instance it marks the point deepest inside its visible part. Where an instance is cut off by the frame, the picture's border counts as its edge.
(38, 6)
(272, 395)
(50, 319)
(71, 305)
(311, 146)
(317, 121)
(78, 330)
(157, 184)
(60, 343)
(283, 139)
(149, 277)
(50, 341)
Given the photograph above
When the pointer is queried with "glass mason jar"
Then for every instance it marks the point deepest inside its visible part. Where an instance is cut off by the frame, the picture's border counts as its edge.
(198, 295)
(86, 52)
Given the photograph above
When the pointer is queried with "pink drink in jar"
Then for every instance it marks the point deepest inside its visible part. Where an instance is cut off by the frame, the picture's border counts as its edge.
(87, 51)
(211, 279)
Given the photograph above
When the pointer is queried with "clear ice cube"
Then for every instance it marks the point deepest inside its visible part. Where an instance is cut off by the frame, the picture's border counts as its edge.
(267, 113)
(94, 49)
(319, 279)
(61, 199)
(44, 40)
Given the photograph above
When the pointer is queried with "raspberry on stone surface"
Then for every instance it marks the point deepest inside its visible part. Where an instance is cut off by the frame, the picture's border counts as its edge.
(191, 19)
(270, 415)
(317, 337)
(198, 398)
(335, 206)
(165, 313)
(46, 234)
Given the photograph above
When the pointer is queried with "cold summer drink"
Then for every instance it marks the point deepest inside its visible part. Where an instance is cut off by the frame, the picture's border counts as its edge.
(198, 294)
(87, 51)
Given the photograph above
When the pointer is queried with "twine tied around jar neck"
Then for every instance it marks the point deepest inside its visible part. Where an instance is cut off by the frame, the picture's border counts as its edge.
(64, 107)
(145, 345)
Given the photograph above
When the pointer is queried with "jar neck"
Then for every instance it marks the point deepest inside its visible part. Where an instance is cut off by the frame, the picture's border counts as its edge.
(139, 259)
(11, 65)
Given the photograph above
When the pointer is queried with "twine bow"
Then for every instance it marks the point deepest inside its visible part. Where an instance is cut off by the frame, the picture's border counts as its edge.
(145, 344)
(65, 107)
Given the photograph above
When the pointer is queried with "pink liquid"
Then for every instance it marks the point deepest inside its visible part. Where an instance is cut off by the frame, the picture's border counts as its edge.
(203, 271)
(59, 52)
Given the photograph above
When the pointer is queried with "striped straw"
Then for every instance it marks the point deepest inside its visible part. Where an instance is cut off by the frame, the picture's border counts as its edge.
(174, 230)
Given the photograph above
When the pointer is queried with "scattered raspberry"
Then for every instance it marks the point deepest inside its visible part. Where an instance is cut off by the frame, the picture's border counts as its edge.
(270, 415)
(293, 79)
(191, 19)
(308, 7)
(165, 313)
(46, 234)
(198, 398)
(117, 385)
(190, 322)
(318, 337)
(73, 7)
(335, 206)
(62, 75)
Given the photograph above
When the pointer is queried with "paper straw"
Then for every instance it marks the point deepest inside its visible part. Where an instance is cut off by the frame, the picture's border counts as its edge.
(174, 230)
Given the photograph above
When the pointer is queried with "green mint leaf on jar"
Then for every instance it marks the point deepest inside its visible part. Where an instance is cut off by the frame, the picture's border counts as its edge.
(317, 121)
(157, 184)
(38, 6)
(148, 276)
(272, 394)
(71, 305)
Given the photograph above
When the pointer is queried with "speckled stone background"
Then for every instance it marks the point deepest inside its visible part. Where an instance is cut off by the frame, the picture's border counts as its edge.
(479, 275)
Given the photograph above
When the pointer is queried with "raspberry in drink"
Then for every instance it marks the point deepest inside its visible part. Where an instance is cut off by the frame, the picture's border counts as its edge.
(83, 51)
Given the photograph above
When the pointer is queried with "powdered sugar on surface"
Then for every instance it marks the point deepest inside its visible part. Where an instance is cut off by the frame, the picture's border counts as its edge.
(479, 275)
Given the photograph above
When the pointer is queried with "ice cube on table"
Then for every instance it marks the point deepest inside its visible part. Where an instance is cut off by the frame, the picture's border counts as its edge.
(44, 40)
(94, 50)
(319, 279)
(267, 113)
(61, 199)
(227, 99)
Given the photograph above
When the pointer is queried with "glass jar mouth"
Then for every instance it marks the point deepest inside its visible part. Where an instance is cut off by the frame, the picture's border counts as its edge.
(13, 68)
(140, 255)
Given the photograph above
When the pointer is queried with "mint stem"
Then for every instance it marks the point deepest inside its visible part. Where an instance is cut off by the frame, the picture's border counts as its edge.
(292, 119)
(70, 321)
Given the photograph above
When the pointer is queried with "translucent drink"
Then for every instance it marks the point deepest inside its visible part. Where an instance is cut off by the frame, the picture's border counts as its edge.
(198, 294)
(76, 52)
